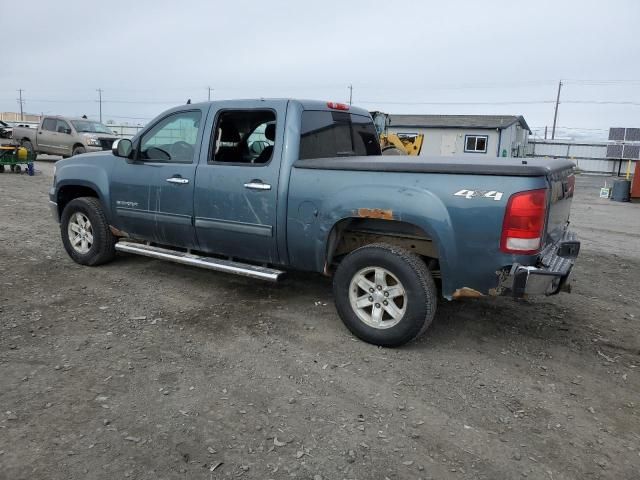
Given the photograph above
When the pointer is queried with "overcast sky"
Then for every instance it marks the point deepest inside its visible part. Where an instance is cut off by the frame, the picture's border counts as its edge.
(432, 57)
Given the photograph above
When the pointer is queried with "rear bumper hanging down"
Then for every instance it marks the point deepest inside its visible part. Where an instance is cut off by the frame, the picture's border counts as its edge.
(550, 276)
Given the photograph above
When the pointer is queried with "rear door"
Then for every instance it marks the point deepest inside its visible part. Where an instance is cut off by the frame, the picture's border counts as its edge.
(237, 182)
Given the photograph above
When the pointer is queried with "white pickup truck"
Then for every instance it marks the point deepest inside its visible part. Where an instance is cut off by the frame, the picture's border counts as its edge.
(65, 136)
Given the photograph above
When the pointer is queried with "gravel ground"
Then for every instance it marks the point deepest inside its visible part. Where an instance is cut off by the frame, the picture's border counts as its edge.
(143, 370)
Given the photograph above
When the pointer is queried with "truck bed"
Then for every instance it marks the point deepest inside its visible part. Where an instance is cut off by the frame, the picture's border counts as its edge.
(467, 164)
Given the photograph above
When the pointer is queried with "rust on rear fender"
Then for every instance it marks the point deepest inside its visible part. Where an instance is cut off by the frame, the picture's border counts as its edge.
(375, 213)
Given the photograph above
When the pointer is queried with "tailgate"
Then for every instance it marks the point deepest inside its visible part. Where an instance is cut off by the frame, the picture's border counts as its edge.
(562, 184)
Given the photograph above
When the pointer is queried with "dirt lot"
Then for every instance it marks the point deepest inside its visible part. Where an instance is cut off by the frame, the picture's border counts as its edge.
(142, 369)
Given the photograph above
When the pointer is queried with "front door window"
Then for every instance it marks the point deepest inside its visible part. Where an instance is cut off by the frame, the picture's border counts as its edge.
(172, 140)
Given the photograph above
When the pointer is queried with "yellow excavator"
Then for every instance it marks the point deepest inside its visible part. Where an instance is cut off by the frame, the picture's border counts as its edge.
(394, 143)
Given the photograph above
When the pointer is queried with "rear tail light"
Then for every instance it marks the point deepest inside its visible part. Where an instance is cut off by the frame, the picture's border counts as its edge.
(524, 222)
(337, 106)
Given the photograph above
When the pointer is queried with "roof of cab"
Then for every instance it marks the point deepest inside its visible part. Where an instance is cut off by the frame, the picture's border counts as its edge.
(254, 102)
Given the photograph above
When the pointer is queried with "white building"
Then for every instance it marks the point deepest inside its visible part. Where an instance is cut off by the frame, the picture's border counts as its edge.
(493, 135)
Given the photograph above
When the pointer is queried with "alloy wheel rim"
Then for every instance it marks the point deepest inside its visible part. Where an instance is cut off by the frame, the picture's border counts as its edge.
(377, 297)
(80, 232)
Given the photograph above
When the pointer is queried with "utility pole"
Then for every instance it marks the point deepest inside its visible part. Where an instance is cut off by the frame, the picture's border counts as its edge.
(99, 90)
(545, 132)
(350, 94)
(209, 90)
(555, 114)
(21, 102)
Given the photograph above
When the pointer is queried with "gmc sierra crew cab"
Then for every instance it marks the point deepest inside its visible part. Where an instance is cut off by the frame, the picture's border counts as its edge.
(65, 136)
(256, 187)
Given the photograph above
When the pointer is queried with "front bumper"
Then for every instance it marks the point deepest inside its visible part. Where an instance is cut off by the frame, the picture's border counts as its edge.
(549, 276)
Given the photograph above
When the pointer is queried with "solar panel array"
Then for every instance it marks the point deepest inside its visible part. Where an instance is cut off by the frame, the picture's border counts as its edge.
(631, 152)
(614, 151)
(632, 135)
(616, 134)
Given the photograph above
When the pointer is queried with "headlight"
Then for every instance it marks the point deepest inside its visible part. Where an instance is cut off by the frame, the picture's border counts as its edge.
(93, 141)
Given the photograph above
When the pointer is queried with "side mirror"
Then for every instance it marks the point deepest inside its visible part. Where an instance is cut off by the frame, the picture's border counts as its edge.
(122, 147)
(68, 131)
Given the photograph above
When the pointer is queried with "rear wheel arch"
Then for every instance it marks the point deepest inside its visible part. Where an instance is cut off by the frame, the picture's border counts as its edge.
(351, 233)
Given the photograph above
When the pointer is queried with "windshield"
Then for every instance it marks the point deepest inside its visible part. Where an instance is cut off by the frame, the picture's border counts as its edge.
(89, 126)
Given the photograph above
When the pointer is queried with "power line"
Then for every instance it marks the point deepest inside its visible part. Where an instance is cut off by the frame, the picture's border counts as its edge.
(600, 102)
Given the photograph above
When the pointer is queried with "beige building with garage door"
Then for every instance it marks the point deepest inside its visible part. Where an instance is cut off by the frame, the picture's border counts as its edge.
(493, 135)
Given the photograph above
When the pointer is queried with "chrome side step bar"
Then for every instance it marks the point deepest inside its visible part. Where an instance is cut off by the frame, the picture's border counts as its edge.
(227, 266)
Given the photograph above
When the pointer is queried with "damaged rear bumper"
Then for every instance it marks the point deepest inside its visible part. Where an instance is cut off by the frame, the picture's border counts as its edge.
(549, 276)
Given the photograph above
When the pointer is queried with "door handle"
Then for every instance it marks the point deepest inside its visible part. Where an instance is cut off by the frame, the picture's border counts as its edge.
(257, 185)
(178, 180)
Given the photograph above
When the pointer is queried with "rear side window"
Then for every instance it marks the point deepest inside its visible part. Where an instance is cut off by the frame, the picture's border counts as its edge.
(327, 134)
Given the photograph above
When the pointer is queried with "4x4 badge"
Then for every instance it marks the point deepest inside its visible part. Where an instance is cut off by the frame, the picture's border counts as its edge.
(479, 193)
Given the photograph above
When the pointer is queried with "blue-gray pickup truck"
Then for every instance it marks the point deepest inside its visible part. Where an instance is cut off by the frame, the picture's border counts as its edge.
(256, 187)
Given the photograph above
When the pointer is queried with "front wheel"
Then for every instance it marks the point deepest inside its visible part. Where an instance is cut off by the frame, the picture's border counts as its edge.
(384, 294)
(85, 232)
(78, 151)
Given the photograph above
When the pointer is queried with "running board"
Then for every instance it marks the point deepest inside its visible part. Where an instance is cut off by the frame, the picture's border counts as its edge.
(227, 266)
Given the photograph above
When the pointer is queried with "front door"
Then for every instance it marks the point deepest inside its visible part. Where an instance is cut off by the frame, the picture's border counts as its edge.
(130, 198)
(153, 192)
(64, 138)
(237, 187)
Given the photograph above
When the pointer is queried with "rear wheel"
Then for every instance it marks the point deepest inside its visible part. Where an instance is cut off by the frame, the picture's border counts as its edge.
(385, 294)
(85, 232)
(29, 146)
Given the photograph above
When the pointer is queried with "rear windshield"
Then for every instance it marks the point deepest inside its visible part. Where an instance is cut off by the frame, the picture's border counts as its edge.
(337, 134)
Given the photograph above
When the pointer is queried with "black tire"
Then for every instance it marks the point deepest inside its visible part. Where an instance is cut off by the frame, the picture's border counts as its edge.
(78, 150)
(17, 169)
(412, 273)
(1, 168)
(393, 151)
(102, 250)
(29, 146)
